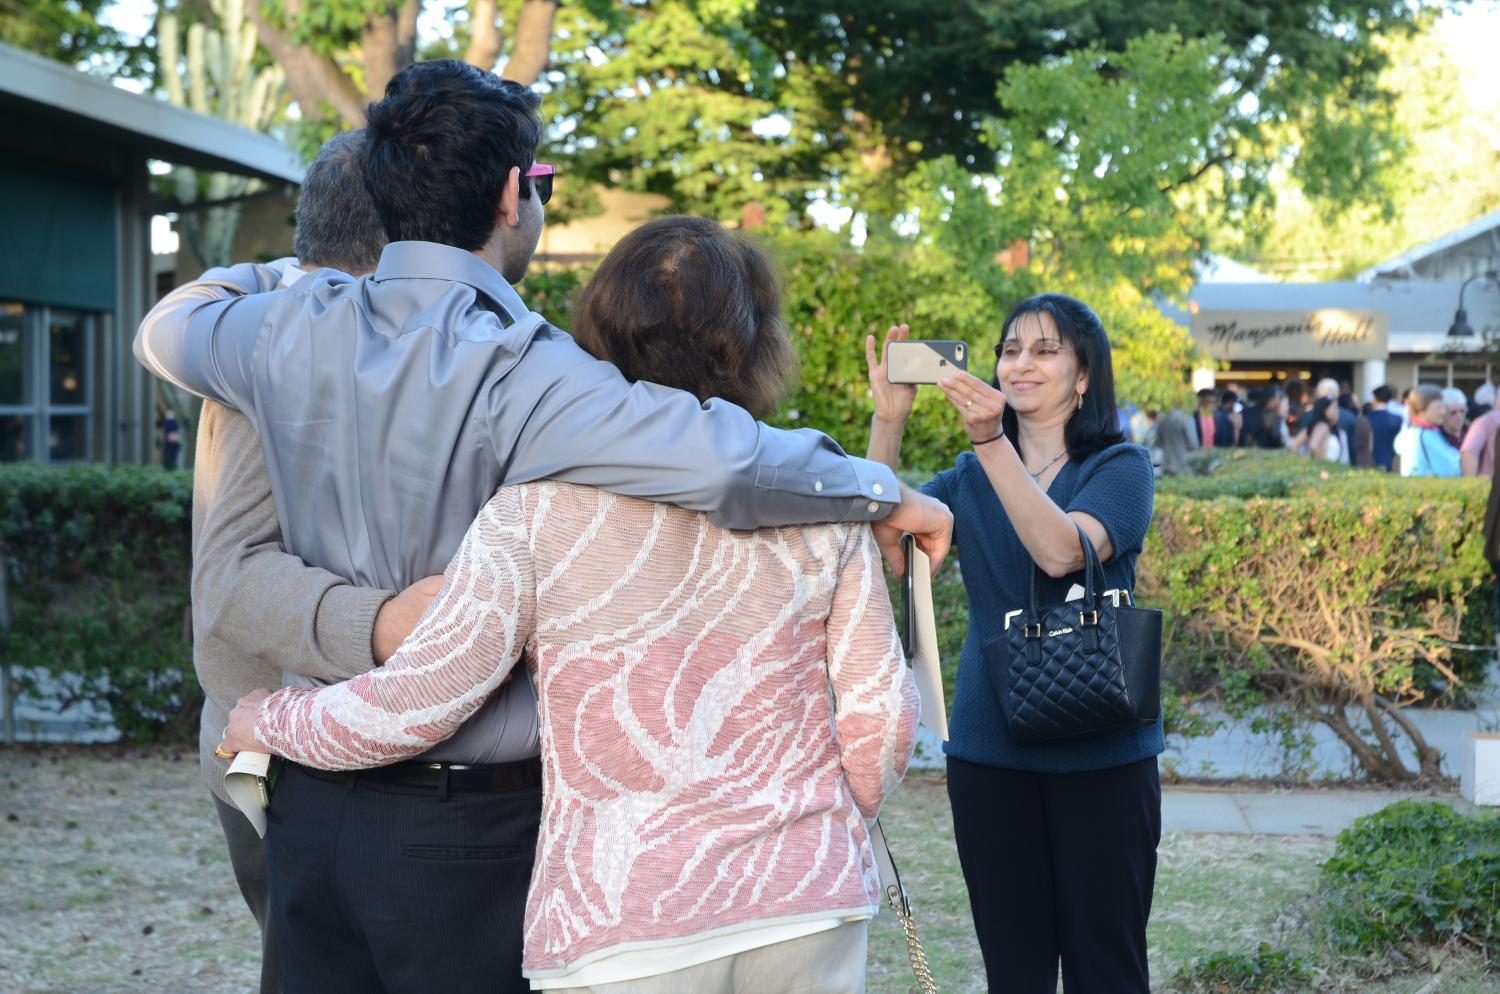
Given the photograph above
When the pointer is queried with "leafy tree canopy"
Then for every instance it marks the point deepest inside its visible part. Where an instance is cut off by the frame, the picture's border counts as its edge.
(1448, 176)
(71, 31)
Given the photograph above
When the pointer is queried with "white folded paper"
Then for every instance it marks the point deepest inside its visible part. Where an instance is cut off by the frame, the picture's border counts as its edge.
(245, 783)
(924, 664)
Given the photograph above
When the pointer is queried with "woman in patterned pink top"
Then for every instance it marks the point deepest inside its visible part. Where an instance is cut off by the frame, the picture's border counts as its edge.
(720, 712)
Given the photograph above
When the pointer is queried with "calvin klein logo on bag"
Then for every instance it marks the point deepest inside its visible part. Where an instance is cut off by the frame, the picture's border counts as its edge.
(1058, 631)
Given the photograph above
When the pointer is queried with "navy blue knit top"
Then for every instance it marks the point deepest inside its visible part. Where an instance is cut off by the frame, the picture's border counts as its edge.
(1116, 486)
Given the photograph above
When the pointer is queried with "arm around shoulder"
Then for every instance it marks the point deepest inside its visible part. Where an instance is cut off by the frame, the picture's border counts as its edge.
(201, 338)
(562, 414)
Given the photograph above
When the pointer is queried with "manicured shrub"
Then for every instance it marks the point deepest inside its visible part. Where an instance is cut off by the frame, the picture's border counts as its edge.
(1323, 595)
(552, 291)
(97, 563)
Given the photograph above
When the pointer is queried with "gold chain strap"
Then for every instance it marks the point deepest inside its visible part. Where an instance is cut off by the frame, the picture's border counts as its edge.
(915, 954)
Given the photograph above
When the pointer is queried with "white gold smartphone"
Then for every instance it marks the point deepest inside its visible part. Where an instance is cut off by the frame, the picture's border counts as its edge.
(925, 361)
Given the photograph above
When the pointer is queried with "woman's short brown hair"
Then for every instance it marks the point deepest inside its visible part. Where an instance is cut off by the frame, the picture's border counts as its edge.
(682, 302)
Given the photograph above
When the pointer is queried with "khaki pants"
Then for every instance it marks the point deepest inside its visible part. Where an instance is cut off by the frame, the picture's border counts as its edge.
(831, 962)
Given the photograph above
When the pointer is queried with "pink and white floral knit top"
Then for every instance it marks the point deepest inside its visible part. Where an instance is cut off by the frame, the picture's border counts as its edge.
(699, 777)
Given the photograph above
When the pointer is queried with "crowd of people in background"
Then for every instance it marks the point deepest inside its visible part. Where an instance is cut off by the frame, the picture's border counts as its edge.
(1428, 431)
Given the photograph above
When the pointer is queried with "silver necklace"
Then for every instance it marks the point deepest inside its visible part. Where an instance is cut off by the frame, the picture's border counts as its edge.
(1037, 476)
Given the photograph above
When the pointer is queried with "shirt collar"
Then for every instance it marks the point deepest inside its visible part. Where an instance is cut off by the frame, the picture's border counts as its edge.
(431, 261)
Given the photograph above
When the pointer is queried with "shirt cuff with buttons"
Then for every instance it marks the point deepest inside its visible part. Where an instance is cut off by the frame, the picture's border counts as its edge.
(880, 490)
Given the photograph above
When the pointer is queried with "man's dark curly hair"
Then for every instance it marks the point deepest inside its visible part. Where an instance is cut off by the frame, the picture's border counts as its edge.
(439, 147)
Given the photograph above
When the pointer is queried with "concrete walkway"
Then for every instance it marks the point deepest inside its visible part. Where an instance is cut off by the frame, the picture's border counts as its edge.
(1278, 812)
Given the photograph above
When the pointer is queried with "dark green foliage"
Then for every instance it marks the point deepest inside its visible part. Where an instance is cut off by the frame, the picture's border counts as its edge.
(833, 296)
(553, 291)
(1266, 969)
(71, 31)
(98, 561)
(930, 81)
(1323, 593)
(1416, 873)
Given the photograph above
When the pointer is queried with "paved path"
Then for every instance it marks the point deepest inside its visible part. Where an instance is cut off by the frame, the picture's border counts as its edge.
(1278, 812)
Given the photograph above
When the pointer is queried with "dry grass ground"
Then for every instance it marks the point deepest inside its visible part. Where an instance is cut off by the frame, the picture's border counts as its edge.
(113, 880)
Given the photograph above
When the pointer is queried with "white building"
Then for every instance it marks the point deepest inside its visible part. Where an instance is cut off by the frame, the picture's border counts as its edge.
(1390, 326)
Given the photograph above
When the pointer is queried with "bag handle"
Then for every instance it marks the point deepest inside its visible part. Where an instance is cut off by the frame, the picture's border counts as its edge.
(1091, 566)
(895, 896)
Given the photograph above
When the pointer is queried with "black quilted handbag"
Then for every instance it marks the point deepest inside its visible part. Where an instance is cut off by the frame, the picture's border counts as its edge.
(1080, 667)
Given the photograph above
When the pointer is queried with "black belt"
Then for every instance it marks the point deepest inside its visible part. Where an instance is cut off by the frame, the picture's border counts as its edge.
(442, 777)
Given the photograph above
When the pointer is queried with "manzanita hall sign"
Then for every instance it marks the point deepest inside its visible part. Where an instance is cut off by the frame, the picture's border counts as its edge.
(1326, 334)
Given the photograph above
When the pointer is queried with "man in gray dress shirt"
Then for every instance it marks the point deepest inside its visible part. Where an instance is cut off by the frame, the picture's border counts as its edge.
(390, 408)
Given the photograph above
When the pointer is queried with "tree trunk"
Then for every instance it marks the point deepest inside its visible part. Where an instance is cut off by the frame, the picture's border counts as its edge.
(484, 36)
(1382, 734)
(1429, 760)
(1372, 762)
(316, 81)
(389, 44)
(532, 48)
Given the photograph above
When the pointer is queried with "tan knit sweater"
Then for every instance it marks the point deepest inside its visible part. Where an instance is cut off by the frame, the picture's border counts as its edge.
(258, 610)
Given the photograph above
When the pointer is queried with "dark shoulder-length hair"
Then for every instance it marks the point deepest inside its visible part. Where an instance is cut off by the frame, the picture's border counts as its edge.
(683, 302)
(1096, 423)
(1320, 410)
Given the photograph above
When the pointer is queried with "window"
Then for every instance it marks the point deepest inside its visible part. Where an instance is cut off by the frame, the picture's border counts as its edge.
(46, 383)
(1467, 376)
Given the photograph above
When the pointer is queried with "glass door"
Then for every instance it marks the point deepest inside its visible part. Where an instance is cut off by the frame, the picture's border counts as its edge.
(46, 383)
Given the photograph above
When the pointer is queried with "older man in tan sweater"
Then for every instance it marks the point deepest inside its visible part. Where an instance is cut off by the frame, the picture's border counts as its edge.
(244, 586)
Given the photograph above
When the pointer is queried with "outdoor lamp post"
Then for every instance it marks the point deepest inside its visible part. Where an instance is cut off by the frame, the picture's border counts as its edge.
(1460, 327)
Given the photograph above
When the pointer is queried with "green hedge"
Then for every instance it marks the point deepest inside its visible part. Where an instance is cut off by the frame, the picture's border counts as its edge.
(1228, 540)
(98, 561)
(1315, 589)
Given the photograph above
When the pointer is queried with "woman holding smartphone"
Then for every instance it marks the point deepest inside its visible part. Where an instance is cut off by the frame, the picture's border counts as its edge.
(1057, 840)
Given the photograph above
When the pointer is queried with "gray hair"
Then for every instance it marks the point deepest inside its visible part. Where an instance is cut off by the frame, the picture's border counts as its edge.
(337, 226)
(1423, 397)
(1454, 397)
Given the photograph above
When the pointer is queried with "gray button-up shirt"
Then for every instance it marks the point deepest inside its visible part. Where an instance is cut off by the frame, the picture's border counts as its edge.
(392, 407)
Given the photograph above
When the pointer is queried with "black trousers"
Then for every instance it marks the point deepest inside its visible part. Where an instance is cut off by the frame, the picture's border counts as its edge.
(1060, 867)
(247, 857)
(393, 889)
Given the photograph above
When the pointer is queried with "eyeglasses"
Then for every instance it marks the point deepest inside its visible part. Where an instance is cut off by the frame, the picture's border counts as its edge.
(1010, 350)
(541, 176)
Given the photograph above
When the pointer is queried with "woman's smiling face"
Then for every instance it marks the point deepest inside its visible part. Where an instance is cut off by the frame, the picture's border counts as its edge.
(1038, 370)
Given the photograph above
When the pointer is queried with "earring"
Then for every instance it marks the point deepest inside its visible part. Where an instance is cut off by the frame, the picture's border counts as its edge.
(1080, 402)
